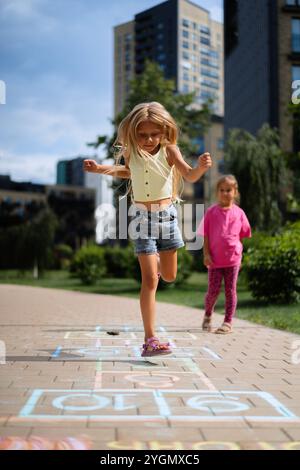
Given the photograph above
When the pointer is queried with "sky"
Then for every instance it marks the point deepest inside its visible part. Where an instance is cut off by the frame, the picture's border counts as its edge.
(56, 60)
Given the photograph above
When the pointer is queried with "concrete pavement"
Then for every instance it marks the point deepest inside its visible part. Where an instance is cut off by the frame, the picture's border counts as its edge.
(70, 382)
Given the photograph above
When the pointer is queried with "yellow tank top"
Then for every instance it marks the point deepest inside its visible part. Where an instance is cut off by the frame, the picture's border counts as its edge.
(151, 177)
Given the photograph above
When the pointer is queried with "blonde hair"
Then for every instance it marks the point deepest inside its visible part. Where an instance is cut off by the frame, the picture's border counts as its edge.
(126, 140)
(232, 181)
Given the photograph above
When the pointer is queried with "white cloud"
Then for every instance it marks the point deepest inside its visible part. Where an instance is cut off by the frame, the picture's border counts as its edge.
(26, 13)
(39, 168)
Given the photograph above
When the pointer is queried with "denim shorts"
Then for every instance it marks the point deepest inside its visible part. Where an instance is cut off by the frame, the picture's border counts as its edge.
(155, 231)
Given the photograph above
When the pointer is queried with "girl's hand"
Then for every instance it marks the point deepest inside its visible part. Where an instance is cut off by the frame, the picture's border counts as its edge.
(207, 260)
(205, 161)
(90, 165)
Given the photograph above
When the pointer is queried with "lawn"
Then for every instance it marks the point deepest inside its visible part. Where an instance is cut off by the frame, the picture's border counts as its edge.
(285, 317)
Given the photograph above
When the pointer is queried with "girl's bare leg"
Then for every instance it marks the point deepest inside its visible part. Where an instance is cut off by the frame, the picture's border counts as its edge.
(168, 265)
(148, 264)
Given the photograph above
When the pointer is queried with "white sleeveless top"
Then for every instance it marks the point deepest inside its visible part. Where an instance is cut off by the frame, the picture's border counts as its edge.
(152, 177)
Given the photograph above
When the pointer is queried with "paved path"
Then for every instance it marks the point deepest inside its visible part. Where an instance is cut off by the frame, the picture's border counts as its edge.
(67, 383)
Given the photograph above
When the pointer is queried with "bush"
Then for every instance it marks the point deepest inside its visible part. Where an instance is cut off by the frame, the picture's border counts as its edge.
(185, 263)
(89, 264)
(119, 261)
(273, 269)
(185, 266)
(62, 256)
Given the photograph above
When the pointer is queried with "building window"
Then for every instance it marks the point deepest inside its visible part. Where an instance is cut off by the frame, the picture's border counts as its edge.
(293, 3)
(199, 141)
(205, 41)
(209, 73)
(210, 84)
(214, 54)
(185, 88)
(295, 35)
(205, 51)
(221, 166)
(220, 144)
(204, 29)
(295, 72)
(185, 33)
(210, 63)
(185, 44)
(186, 77)
(185, 23)
(186, 66)
(185, 55)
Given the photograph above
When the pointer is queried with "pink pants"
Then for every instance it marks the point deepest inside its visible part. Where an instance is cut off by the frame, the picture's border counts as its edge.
(215, 277)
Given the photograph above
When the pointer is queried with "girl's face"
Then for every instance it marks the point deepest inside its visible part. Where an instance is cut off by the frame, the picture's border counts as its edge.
(149, 136)
(226, 194)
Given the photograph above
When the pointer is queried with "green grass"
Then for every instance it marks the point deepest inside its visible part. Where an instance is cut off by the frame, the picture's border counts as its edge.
(191, 294)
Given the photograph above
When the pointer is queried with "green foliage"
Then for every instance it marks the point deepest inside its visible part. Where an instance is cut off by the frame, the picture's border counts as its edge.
(25, 244)
(185, 264)
(88, 264)
(273, 268)
(259, 166)
(152, 86)
(119, 261)
(62, 255)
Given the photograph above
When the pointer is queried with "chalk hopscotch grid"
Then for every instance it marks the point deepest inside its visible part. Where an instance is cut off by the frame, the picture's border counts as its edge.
(164, 411)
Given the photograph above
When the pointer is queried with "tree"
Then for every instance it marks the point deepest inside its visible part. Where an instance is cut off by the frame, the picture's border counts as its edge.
(293, 160)
(152, 86)
(259, 166)
(30, 243)
(149, 86)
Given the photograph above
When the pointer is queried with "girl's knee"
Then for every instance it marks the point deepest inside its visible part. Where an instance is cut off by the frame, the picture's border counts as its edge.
(169, 277)
(150, 281)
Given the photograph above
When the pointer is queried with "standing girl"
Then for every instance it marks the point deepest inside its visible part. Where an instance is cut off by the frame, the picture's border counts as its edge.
(153, 162)
(224, 225)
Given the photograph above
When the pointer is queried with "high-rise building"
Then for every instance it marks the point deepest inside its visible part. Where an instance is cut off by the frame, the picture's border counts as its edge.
(183, 39)
(188, 46)
(262, 59)
(70, 172)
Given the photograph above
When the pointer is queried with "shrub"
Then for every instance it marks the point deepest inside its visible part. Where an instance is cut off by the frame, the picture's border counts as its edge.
(273, 269)
(118, 261)
(185, 263)
(62, 256)
(185, 266)
(89, 264)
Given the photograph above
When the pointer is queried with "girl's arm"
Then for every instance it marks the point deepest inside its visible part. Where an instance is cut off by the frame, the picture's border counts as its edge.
(120, 171)
(189, 174)
(206, 253)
